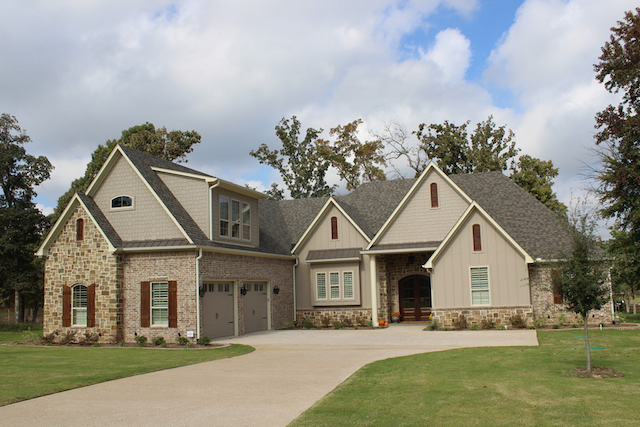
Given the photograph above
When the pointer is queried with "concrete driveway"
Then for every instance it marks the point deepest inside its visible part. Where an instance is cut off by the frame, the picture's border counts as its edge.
(288, 372)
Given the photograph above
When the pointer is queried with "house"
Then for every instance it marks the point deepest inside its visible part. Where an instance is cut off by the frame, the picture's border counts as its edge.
(158, 249)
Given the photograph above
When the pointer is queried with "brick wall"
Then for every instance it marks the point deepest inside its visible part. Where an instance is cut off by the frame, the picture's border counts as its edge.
(85, 262)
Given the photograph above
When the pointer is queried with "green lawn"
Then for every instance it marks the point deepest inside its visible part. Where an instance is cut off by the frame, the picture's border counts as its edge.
(629, 317)
(524, 386)
(27, 371)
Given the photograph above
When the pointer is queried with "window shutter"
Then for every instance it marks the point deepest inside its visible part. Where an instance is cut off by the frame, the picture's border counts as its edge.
(91, 306)
(145, 309)
(434, 195)
(334, 227)
(477, 242)
(66, 305)
(173, 304)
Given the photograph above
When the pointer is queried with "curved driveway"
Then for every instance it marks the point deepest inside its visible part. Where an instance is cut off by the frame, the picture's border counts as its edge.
(288, 372)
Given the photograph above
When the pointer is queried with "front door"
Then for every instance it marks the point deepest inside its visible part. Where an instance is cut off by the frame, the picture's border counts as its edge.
(415, 298)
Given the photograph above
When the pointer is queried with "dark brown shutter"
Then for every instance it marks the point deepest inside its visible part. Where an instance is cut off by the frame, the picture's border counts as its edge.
(91, 306)
(434, 195)
(334, 227)
(145, 301)
(477, 242)
(80, 229)
(66, 305)
(173, 304)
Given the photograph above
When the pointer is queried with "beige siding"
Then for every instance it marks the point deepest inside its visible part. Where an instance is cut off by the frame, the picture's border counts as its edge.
(419, 222)
(508, 273)
(255, 230)
(147, 220)
(320, 238)
(193, 194)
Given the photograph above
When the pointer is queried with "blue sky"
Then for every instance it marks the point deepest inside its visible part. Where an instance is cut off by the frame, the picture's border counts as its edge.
(79, 73)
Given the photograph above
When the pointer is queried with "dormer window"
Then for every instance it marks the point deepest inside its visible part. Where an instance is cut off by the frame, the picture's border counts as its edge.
(334, 228)
(434, 195)
(477, 241)
(121, 202)
(235, 219)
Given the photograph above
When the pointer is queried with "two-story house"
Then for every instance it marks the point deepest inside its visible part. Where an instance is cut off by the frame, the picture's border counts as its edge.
(158, 249)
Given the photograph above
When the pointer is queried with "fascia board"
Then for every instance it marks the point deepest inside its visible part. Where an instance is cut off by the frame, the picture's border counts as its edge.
(185, 174)
(55, 230)
(227, 185)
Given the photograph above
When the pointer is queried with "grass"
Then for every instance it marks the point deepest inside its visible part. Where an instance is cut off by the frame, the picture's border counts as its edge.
(628, 317)
(524, 386)
(30, 371)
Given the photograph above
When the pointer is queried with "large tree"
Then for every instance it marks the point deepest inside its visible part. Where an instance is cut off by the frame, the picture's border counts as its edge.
(170, 145)
(625, 275)
(21, 223)
(536, 176)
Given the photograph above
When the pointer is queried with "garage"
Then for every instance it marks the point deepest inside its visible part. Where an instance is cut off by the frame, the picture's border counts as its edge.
(217, 310)
(255, 307)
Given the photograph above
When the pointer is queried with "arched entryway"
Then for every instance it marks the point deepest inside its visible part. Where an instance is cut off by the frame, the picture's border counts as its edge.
(415, 297)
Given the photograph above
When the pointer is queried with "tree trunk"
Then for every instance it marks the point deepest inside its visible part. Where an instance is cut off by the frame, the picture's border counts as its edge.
(18, 306)
(34, 314)
(586, 341)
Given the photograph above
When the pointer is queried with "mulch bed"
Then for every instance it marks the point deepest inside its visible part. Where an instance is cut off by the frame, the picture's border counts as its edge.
(596, 372)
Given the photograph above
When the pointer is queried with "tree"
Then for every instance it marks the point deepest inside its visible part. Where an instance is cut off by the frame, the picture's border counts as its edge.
(625, 274)
(536, 176)
(21, 223)
(355, 161)
(396, 138)
(174, 145)
(300, 164)
(619, 127)
(582, 276)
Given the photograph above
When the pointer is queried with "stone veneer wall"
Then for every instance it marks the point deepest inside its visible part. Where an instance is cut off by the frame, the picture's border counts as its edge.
(392, 268)
(354, 315)
(542, 299)
(86, 262)
(160, 266)
(240, 268)
(475, 316)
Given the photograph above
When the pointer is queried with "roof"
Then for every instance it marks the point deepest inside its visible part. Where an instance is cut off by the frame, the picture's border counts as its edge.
(334, 255)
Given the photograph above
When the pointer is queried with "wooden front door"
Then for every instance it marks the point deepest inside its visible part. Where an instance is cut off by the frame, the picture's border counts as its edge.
(415, 298)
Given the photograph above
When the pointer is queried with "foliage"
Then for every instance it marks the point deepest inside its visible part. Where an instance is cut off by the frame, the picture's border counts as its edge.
(141, 340)
(89, 338)
(21, 223)
(395, 137)
(460, 322)
(68, 337)
(170, 145)
(355, 161)
(536, 176)
(347, 322)
(299, 162)
(183, 341)
(158, 341)
(539, 322)
(488, 323)
(518, 321)
(308, 324)
(475, 327)
(625, 274)
(16, 327)
(338, 325)
(433, 325)
(326, 321)
(204, 341)
(50, 338)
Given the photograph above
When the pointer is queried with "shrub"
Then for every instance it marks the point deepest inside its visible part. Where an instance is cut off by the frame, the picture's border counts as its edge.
(561, 319)
(158, 341)
(183, 341)
(475, 327)
(579, 320)
(518, 321)
(500, 327)
(539, 322)
(50, 338)
(433, 325)
(460, 322)
(204, 341)
(347, 322)
(361, 321)
(141, 340)
(338, 325)
(369, 324)
(488, 323)
(308, 324)
(16, 327)
(122, 344)
(289, 324)
(89, 338)
(68, 337)
(326, 321)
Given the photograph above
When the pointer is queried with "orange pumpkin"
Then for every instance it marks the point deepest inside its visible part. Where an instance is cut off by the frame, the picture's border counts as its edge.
(382, 323)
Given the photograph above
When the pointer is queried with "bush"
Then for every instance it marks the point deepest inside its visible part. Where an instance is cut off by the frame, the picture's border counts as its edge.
(539, 322)
(89, 338)
(308, 324)
(475, 327)
(433, 325)
(16, 327)
(50, 338)
(369, 324)
(488, 323)
(362, 321)
(141, 340)
(518, 321)
(158, 341)
(338, 325)
(204, 341)
(500, 327)
(460, 322)
(183, 341)
(561, 319)
(326, 321)
(68, 337)
(347, 322)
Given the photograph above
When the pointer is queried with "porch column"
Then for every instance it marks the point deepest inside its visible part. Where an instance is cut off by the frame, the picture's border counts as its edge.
(373, 279)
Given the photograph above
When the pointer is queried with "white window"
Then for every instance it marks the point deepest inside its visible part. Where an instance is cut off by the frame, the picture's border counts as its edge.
(348, 284)
(79, 306)
(235, 219)
(480, 286)
(224, 216)
(321, 285)
(334, 280)
(159, 304)
(121, 202)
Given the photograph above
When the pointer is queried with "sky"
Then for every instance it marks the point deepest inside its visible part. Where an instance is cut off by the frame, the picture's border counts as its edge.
(76, 74)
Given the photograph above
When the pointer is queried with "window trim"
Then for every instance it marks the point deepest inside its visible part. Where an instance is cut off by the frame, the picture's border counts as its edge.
(435, 203)
(122, 208)
(340, 274)
(476, 234)
(487, 289)
(81, 308)
(156, 308)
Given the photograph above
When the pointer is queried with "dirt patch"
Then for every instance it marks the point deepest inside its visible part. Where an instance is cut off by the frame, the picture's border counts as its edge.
(596, 372)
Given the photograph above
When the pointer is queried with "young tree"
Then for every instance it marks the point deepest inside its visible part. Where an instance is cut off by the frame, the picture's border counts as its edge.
(300, 164)
(536, 176)
(582, 278)
(174, 145)
(21, 223)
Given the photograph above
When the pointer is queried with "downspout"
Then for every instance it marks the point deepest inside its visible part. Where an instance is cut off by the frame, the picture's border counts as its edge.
(198, 293)
(295, 304)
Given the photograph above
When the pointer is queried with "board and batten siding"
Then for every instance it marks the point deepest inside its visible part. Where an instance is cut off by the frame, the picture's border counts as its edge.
(147, 220)
(320, 239)
(419, 222)
(193, 195)
(508, 272)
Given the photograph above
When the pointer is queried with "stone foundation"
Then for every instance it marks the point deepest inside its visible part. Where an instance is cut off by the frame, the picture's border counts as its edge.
(330, 315)
(475, 316)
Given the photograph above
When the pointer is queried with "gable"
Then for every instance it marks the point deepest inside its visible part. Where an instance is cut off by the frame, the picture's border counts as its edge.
(417, 220)
(193, 195)
(146, 219)
(320, 234)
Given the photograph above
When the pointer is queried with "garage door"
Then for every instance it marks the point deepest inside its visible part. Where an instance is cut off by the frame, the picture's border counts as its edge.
(217, 310)
(255, 307)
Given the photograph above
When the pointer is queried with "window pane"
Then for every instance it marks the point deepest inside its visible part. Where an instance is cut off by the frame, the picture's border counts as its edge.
(246, 235)
(235, 210)
(480, 297)
(246, 213)
(160, 295)
(480, 286)
(160, 316)
(235, 230)
(79, 317)
(126, 201)
(224, 208)
(116, 202)
(79, 296)
(224, 228)
(321, 282)
(335, 285)
(348, 284)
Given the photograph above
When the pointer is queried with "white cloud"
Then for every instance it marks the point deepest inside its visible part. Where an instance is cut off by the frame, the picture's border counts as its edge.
(451, 53)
